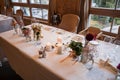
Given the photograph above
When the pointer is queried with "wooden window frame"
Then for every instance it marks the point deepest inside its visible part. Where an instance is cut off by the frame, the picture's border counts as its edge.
(105, 12)
(30, 6)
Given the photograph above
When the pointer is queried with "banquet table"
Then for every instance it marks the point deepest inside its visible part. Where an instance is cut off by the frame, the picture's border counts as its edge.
(24, 58)
(5, 23)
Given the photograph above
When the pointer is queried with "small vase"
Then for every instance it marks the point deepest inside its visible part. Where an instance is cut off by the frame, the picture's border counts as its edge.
(84, 57)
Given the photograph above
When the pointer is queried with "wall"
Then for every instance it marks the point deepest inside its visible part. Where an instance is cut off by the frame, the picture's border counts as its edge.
(68, 6)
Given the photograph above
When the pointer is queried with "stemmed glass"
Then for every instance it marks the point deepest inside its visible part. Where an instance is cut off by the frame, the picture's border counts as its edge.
(14, 25)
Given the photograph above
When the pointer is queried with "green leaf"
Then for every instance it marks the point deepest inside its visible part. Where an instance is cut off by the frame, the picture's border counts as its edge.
(76, 46)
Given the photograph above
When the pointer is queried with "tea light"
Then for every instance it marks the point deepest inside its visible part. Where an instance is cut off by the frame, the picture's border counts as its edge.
(48, 46)
(59, 40)
(59, 48)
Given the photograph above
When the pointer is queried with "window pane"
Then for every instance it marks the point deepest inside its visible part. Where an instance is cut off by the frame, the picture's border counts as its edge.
(37, 12)
(102, 22)
(44, 1)
(26, 11)
(21, 1)
(118, 5)
(116, 25)
(35, 1)
(15, 0)
(40, 13)
(103, 4)
(40, 1)
(16, 8)
(45, 14)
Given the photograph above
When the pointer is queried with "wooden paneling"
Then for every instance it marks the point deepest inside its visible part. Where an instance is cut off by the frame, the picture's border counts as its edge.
(2, 8)
(68, 6)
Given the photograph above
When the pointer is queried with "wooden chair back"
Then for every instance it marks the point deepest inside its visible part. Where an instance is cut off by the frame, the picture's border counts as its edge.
(69, 22)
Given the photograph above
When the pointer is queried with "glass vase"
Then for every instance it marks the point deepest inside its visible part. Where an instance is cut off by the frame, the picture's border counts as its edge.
(118, 75)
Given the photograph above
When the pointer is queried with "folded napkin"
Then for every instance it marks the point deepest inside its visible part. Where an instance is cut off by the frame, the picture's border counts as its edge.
(108, 66)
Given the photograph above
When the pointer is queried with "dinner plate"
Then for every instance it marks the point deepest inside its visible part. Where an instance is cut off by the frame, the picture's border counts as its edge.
(94, 42)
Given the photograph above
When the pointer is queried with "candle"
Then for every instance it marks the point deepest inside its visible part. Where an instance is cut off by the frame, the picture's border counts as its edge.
(48, 46)
(59, 40)
(59, 48)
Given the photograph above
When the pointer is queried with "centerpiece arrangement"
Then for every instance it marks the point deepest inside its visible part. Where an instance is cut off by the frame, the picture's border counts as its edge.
(88, 37)
(37, 31)
(76, 48)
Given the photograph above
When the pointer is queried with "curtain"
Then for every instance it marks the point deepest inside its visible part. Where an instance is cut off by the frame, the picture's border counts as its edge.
(84, 14)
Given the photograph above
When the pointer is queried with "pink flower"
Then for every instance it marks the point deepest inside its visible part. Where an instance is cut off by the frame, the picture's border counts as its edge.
(118, 66)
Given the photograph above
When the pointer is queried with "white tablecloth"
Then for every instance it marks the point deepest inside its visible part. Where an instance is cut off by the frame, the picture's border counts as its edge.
(23, 57)
(5, 25)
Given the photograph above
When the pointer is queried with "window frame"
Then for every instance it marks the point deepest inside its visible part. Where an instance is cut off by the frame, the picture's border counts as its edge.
(30, 6)
(113, 13)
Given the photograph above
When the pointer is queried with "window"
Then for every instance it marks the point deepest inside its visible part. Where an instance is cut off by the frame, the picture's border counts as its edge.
(20, 1)
(39, 1)
(103, 3)
(26, 11)
(33, 8)
(116, 25)
(104, 14)
(118, 5)
(40, 13)
(102, 22)
(16, 8)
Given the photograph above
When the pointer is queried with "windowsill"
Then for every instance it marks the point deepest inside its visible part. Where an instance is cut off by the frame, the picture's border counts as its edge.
(38, 20)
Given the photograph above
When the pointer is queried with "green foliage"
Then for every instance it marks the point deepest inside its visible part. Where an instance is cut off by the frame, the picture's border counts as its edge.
(76, 46)
(117, 21)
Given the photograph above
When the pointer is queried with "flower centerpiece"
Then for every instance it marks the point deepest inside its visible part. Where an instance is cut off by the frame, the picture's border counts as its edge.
(86, 56)
(118, 66)
(88, 38)
(76, 49)
(36, 31)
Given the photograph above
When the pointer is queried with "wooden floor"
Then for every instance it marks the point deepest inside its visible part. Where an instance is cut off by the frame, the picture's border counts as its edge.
(7, 73)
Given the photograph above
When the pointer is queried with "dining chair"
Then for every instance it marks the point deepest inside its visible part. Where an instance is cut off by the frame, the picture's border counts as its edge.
(108, 38)
(69, 22)
(93, 30)
(117, 38)
(9, 12)
(19, 17)
(2, 10)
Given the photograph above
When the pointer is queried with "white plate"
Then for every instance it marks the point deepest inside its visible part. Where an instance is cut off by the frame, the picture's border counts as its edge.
(94, 42)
